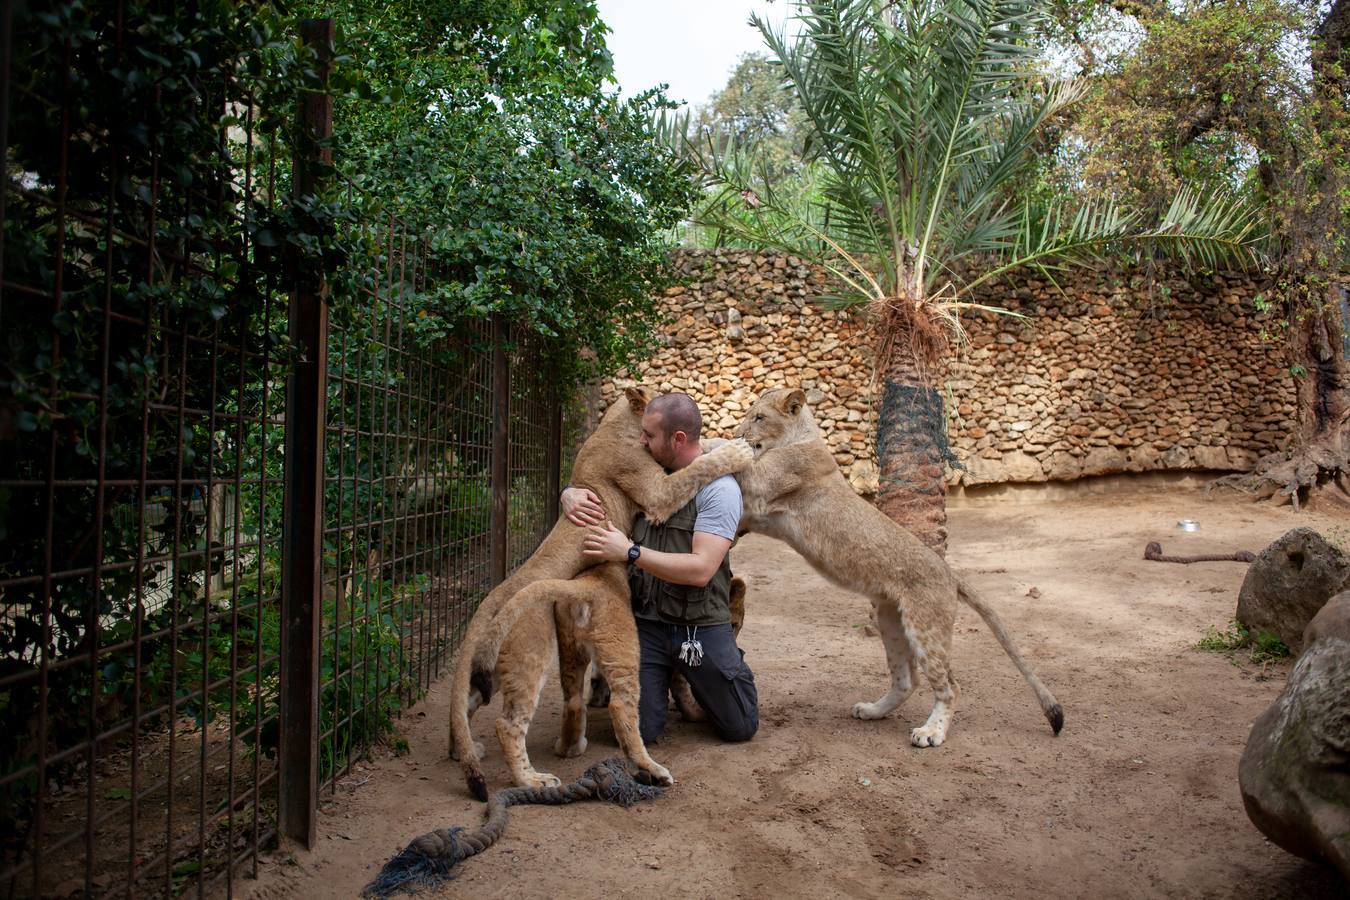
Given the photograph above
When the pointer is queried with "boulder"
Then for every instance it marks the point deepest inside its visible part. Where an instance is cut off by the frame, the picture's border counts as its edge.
(864, 477)
(1289, 582)
(1293, 775)
(1020, 466)
(1211, 458)
(1104, 461)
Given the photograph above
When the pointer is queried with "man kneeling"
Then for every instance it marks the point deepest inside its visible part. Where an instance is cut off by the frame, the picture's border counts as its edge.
(680, 576)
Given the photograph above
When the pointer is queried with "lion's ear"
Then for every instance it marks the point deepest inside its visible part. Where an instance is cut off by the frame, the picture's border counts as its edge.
(637, 399)
(792, 402)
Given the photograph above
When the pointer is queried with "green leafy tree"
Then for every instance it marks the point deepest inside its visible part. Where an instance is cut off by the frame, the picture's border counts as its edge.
(923, 120)
(491, 125)
(756, 107)
(1250, 95)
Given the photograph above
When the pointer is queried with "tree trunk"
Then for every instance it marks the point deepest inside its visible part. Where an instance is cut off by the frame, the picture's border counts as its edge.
(1318, 354)
(912, 449)
(1315, 302)
(1313, 240)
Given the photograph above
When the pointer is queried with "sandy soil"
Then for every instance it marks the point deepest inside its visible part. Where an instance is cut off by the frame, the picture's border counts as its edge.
(1138, 797)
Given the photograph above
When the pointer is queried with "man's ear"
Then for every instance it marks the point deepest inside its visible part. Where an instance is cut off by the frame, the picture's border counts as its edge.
(792, 402)
(638, 398)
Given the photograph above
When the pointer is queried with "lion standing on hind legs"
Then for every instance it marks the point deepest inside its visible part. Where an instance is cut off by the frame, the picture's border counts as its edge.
(795, 492)
(613, 464)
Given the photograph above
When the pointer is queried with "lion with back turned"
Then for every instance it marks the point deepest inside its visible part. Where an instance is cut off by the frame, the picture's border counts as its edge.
(558, 588)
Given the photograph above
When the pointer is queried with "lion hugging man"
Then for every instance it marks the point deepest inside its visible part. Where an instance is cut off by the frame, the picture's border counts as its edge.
(678, 575)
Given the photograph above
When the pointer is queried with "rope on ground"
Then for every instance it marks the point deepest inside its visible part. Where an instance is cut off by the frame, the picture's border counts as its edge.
(427, 861)
(1154, 552)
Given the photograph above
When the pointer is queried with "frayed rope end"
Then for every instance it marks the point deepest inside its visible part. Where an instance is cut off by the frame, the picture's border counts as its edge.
(425, 863)
(614, 784)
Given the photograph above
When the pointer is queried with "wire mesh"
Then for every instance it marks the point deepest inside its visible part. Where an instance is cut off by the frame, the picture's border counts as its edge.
(139, 471)
(406, 523)
(530, 430)
(144, 320)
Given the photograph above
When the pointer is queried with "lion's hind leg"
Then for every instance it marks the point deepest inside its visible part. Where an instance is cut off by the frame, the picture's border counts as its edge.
(613, 636)
(574, 665)
(929, 632)
(525, 669)
(900, 659)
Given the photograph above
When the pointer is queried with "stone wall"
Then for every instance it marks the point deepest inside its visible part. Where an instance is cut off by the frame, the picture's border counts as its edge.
(1108, 373)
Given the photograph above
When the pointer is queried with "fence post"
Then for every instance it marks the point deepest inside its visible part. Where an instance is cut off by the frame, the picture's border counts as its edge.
(501, 451)
(302, 543)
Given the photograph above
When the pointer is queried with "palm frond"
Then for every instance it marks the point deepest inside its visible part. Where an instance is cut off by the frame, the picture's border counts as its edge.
(1202, 232)
(923, 116)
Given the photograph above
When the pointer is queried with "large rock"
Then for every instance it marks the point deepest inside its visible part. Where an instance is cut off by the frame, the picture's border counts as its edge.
(1295, 771)
(1289, 582)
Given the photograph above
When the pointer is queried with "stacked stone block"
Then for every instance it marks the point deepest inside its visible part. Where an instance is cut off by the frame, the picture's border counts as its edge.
(1108, 371)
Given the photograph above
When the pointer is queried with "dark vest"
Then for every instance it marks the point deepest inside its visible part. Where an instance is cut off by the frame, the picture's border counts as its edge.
(678, 604)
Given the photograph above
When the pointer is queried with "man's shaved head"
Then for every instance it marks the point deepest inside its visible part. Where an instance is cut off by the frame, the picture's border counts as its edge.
(678, 412)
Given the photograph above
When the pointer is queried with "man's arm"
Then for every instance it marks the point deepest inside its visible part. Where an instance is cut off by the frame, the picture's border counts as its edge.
(696, 568)
(582, 506)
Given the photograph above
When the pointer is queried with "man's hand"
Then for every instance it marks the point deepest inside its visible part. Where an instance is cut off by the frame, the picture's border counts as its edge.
(582, 507)
(605, 542)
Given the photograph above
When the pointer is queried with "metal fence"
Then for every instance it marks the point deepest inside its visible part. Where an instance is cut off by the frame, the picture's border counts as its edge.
(234, 540)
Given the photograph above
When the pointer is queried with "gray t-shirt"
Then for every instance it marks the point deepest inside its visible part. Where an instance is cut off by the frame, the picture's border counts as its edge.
(719, 508)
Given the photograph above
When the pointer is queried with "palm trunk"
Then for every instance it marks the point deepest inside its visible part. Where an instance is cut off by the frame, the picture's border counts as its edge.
(912, 449)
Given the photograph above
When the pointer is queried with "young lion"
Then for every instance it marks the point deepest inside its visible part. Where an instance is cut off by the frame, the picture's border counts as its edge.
(613, 464)
(795, 492)
(594, 624)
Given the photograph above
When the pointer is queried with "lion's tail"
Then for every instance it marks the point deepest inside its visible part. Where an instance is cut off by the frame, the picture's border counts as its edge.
(1049, 705)
(483, 642)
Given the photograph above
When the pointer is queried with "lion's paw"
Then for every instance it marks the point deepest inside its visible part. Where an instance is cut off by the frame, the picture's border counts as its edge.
(928, 736)
(739, 453)
(540, 780)
(867, 711)
(656, 774)
(567, 751)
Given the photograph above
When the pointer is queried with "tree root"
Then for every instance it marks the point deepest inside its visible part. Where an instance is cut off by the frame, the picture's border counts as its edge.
(1294, 477)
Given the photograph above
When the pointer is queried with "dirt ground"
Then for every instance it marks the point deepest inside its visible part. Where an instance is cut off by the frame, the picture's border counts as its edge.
(1138, 796)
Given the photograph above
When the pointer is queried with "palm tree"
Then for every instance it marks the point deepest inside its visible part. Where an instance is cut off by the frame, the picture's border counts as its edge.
(923, 118)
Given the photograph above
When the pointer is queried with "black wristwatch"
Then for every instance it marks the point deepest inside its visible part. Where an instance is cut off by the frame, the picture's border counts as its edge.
(634, 552)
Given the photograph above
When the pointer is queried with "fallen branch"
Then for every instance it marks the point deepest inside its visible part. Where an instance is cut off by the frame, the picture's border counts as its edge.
(1153, 552)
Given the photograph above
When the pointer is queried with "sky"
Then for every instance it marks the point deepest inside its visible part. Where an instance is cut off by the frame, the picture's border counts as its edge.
(692, 45)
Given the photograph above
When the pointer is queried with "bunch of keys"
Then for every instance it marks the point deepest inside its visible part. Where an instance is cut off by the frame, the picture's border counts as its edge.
(691, 651)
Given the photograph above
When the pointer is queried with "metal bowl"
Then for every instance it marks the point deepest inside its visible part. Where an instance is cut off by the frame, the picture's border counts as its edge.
(1188, 525)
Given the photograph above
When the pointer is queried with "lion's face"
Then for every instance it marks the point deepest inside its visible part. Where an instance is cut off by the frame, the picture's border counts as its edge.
(772, 418)
(623, 418)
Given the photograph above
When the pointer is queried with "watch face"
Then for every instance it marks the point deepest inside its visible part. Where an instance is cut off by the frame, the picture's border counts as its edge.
(633, 552)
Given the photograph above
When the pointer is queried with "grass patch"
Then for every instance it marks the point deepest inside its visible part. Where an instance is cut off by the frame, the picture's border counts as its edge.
(1259, 648)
